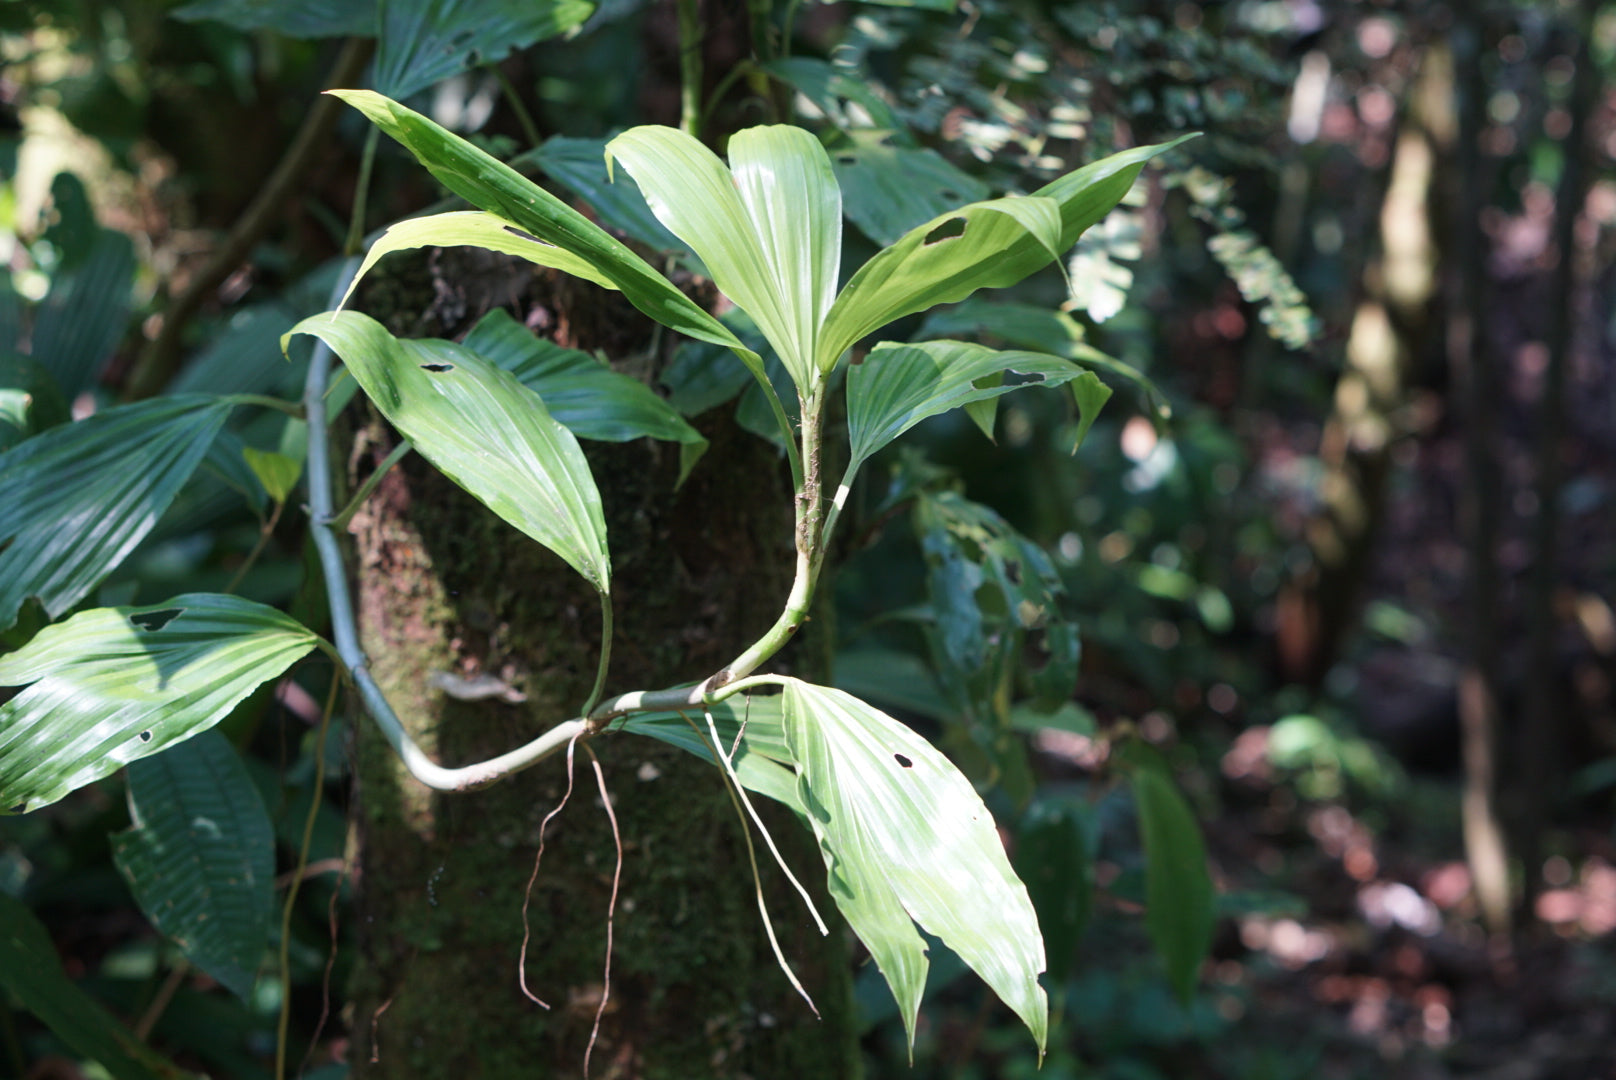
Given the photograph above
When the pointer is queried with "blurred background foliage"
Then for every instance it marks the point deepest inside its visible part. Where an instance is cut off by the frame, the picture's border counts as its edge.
(1336, 556)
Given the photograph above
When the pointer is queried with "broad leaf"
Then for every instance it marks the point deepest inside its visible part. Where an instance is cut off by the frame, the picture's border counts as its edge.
(490, 185)
(294, 18)
(34, 401)
(905, 837)
(425, 41)
(898, 386)
(769, 227)
(889, 190)
(473, 228)
(1178, 888)
(79, 497)
(761, 759)
(31, 971)
(277, 472)
(845, 100)
(81, 319)
(580, 164)
(1052, 857)
(482, 429)
(984, 245)
(112, 685)
(593, 401)
(200, 857)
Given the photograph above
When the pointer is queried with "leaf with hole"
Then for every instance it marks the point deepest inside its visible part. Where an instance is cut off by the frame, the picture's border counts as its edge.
(491, 185)
(113, 685)
(483, 430)
(200, 856)
(80, 496)
(591, 399)
(907, 840)
(31, 971)
(990, 244)
(768, 226)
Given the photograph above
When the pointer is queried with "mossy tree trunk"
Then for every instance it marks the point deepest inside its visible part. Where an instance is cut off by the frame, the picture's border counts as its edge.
(444, 587)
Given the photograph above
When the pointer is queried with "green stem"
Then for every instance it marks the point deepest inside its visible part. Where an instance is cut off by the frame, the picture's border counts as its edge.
(264, 533)
(690, 67)
(605, 653)
(284, 1024)
(523, 117)
(290, 408)
(741, 69)
(780, 417)
(356, 220)
(371, 483)
(741, 686)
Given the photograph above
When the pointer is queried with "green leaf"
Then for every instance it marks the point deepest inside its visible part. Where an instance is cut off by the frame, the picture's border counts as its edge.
(294, 18)
(473, 228)
(426, 41)
(112, 685)
(1091, 395)
(580, 164)
(1178, 888)
(82, 318)
(1052, 857)
(761, 760)
(897, 386)
(200, 857)
(483, 430)
(984, 245)
(79, 497)
(769, 227)
(491, 185)
(593, 401)
(907, 840)
(277, 472)
(834, 92)
(31, 971)
(889, 190)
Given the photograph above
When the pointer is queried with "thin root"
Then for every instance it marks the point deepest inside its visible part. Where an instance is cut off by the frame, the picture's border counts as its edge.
(611, 907)
(527, 895)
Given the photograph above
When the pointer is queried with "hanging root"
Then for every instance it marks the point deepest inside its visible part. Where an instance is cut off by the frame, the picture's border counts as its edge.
(527, 895)
(611, 907)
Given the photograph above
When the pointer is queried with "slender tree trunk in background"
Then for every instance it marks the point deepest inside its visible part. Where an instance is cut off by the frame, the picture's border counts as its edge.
(1473, 365)
(1389, 329)
(445, 587)
(1542, 740)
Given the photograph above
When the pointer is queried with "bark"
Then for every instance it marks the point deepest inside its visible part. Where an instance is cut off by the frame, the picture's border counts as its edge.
(444, 586)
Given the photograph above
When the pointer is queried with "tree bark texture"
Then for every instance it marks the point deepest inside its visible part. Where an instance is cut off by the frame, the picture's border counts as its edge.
(443, 586)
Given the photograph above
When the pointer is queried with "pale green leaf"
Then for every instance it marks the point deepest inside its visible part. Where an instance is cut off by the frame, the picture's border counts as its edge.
(111, 685)
(1091, 395)
(200, 857)
(1178, 889)
(79, 497)
(581, 392)
(277, 472)
(905, 836)
(580, 164)
(769, 231)
(482, 429)
(985, 245)
(473, 228)
(425, 41)
(897, 386)
(491, 185)
(31, 971)
(761, 759)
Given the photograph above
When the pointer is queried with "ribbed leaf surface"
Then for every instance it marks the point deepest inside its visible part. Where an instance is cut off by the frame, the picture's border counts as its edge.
(425, 41)
(898, 386)
(761, 760)
(201, 856)
(769, 227)
(491, 185)
(905, 837)
(79, 322)
(75, 500)
(483, 430)
(30, 970)
(112, 685)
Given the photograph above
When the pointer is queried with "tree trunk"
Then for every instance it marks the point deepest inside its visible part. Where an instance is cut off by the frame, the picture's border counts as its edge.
(443, 586)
